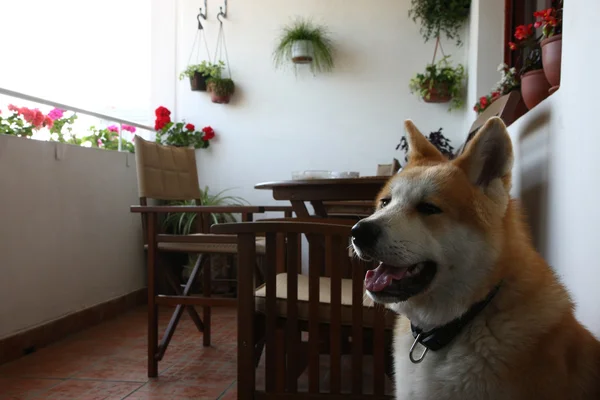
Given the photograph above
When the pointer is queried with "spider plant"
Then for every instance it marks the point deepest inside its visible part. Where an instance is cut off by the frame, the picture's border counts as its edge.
(183, 223)
(319, 56)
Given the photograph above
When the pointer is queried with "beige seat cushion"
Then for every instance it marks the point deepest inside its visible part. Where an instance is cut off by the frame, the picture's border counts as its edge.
(218, 248)
(325, 301)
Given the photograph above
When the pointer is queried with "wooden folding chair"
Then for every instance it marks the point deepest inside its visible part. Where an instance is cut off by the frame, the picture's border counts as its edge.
(169, 173)
(297, 317)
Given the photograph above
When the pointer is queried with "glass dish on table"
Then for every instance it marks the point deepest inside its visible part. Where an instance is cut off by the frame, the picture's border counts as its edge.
(322, 174)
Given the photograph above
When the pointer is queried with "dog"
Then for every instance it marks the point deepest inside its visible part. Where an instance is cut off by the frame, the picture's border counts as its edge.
(482, 315)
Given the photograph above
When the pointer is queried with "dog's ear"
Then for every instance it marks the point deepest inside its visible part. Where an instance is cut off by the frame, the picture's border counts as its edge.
(489, 155)
(418, 145)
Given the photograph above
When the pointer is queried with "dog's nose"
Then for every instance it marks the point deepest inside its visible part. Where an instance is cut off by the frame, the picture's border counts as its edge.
(365, 233)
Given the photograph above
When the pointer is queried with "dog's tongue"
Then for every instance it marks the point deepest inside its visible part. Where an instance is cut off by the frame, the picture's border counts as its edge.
(381, 277)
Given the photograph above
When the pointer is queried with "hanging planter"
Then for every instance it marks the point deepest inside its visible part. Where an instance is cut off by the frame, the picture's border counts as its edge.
(221, 90)
(200, 73)
(440, 83)
(305, 43)
(440, 17)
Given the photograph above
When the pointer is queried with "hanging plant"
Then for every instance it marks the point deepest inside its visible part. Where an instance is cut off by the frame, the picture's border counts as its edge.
(221, 90)
(436, 138)
(440, 83)
(200, 73)
(440, 17)
(303, 42)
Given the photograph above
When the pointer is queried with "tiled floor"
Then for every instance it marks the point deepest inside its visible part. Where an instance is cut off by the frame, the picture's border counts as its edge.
(109, 362)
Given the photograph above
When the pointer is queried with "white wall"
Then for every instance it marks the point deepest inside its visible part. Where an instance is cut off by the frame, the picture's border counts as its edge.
(350, 119)
(558, 168)
(67, 238)
(485, 52)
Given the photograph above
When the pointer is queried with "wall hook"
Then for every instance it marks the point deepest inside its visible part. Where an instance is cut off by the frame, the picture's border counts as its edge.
(202, 15)
(222, 11)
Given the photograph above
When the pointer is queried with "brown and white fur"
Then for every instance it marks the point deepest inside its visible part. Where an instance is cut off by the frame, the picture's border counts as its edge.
(526, 344)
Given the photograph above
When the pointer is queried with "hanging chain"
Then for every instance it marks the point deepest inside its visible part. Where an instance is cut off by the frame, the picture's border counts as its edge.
(199, 33)
(222, 46)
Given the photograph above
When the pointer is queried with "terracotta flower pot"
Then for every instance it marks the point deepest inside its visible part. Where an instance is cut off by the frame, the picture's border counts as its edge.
(223, 99)
(551, 58)
(534, 87)
(198, 82)
(438, 94)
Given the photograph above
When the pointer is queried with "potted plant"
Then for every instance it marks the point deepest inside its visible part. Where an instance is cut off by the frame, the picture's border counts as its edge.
(180, 134)
(440, 16)
(200, 73)
(436, 138)
(440, 83)
(534, 85)
(221, 90)
(550, 20)
(305, 43)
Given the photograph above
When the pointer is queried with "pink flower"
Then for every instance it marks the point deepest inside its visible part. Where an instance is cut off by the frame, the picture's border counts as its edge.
(56, 114)
(48, 122)
(113, 128)
(13, 108)
(38, 118)
(128, 128)
(27, 114)
(100, 144)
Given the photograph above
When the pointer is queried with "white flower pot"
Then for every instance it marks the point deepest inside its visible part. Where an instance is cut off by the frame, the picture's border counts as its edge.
(302, 52)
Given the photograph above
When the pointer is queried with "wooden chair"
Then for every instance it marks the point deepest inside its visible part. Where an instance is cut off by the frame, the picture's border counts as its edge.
(298, 317)
(169, 173)
(508, 107)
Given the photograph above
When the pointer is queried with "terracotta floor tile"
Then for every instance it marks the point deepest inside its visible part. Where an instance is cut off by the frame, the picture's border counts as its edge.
(89, 390)
(178, 391)
(21, 388)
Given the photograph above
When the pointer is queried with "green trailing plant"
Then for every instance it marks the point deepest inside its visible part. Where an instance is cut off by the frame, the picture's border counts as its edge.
(305, 29)
(443, 78)
(205, 68)
(221, 86)
(183, 223)
(440, 17)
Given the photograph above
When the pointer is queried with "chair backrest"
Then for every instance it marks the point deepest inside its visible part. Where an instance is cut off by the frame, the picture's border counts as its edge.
(508, 107)
(354, 331)
(166, 172)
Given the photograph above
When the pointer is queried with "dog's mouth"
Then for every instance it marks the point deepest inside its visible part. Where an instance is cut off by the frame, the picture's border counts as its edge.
(393, 284)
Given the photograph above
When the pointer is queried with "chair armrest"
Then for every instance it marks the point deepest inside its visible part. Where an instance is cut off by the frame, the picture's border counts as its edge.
(278, 208)
(201, 238)
(197, 209)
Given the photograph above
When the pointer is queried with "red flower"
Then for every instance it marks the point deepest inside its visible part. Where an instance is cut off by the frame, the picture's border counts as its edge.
(161, 122)
(523, 31)
(495, 95)
(190, 127)
(209, 133)
(512, 45)
(163, 112)
(537, 24)
(38, 118)
(483, 101)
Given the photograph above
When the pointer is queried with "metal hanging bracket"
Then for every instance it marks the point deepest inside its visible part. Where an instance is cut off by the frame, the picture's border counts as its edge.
(202, 15)
(222, 11)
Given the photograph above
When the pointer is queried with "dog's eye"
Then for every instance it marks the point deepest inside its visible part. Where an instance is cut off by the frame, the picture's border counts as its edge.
(428, 208)
(385, 201)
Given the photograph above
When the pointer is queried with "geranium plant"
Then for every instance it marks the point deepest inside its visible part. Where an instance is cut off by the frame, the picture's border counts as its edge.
(180, 134)
(108, 138)
(550, 20)
(508, 82)
(22, 121)
(528, 44)
(441, 82)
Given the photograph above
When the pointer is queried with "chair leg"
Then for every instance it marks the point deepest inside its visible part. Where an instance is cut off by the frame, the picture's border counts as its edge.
(259, 336)
(152, 306)
(176, 286)
(179, 309)
(206, 292)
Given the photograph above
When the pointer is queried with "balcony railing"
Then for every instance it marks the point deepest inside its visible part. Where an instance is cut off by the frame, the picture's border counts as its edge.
(79, 110)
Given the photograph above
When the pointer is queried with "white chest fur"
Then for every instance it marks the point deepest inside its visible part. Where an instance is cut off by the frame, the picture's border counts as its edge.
(468, 368)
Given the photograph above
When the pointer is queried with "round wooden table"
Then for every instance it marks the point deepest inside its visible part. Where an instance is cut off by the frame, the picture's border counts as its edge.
(319, 191)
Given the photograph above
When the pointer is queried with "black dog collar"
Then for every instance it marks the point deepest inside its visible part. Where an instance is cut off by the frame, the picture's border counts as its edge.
(441, 336)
